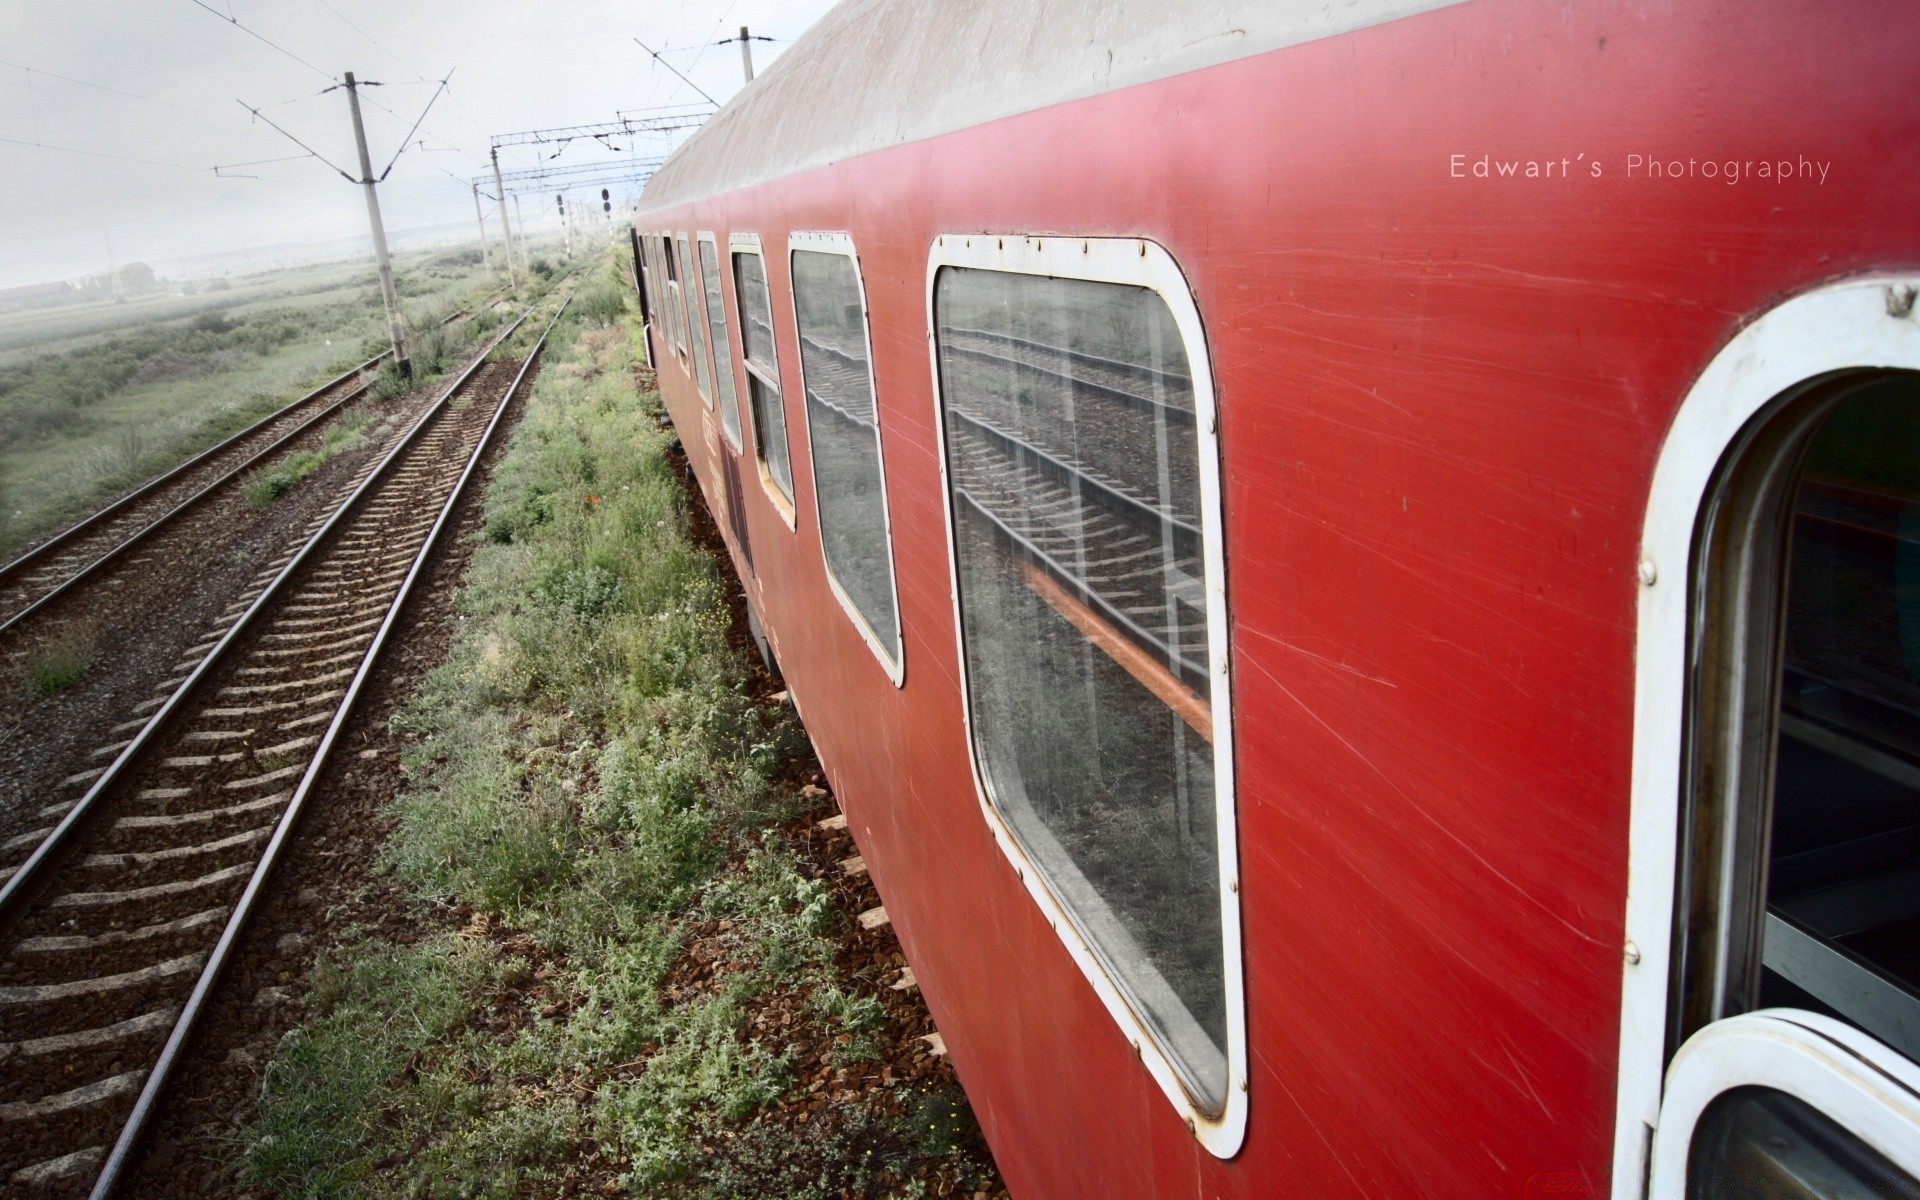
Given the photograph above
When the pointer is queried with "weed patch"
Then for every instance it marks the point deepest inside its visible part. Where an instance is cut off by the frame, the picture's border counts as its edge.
(62, 661)
(636, 969)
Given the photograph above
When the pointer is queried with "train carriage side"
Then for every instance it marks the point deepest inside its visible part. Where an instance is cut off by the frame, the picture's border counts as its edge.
(1301, 628)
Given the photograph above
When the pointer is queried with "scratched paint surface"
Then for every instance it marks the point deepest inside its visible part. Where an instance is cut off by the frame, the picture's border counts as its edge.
(1441, 401)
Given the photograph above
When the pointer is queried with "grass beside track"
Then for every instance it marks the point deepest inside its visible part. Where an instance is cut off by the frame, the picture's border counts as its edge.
(81, 424)
(622, 953)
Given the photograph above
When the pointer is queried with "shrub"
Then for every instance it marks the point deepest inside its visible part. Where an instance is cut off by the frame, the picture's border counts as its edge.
(62, 661)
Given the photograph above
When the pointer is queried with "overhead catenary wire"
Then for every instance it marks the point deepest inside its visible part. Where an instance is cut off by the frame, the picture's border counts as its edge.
(235, 22)
(296, 141)
(216, 169)
(32, 71)
(669, 66)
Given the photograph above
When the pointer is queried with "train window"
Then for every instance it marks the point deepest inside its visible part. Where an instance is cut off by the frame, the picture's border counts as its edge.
(696, 321)
(1761, 1142)
(722, 343)
(763, 371)
(1083, 494)
(843, 437)
(675, 299)
(1804, 881)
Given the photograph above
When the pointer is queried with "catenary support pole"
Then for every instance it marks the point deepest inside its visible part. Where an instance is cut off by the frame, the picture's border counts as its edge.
(395, 329)
(506, 229)
(566, 220)
(746, 54)
(520, 219)
(486, 252)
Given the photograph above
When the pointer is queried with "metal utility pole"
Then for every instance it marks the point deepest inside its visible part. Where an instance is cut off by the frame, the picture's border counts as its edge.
(395, 329)
(566, 220)
(746, 54)
(486, 254)
(500, 190)
(525, 261)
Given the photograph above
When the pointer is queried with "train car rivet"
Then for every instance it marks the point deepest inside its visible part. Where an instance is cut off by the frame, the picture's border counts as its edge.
(1900, 298)
(1648, 572)
(1633, 954)
(1234, 886)
(1135, 1043)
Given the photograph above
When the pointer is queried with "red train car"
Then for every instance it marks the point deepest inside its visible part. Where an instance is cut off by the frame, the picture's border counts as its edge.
(1355, 569)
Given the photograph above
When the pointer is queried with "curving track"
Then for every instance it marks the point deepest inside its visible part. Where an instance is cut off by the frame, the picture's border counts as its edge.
(120, 918)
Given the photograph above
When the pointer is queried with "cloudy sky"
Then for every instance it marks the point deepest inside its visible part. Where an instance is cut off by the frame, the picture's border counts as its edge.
(177, 67)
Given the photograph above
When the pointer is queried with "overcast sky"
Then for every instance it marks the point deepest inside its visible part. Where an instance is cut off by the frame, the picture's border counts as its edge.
(518, 65)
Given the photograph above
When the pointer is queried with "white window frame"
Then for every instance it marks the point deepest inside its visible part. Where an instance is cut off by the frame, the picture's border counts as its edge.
(690, 267)
(677, 336)
(1847, 326)
(1870, 1091)
(723, 263)
(749, 243)
(892, 660)
(1146, 264)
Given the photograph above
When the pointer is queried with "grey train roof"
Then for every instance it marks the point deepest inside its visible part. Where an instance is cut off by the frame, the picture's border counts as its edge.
(878, 73)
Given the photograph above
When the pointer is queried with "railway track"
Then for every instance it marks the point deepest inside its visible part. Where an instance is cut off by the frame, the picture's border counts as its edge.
(80, 552)
(114, 928)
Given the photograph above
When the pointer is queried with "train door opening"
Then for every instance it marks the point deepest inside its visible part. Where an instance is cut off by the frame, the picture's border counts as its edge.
(1794, 1016)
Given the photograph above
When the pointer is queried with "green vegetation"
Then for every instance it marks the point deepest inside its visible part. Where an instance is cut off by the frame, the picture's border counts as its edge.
(96, 398)
(61, 661)
(627, 974)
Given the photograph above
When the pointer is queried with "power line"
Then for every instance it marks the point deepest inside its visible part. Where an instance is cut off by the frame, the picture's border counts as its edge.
(296, 141)
(155, 162)
(32, 71)
(235, 22)
(151, 162)
(466, 115)
(669, 66)
(416, 125)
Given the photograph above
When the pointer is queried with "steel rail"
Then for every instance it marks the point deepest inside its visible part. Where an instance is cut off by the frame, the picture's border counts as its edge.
(166, 518)
(145, 489)
(119, 549)
(18, 889)
(183, 1026)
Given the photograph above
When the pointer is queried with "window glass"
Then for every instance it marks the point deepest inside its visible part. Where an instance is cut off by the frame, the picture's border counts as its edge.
(1756, 1143)
(1843, 884)
(843, 436)
(763, 371)
(674, 298)
(722, 344)
(1074, 475)
(696, 321)
(649, 279)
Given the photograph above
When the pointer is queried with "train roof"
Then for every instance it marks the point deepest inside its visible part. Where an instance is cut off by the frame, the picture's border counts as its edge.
(878, 73)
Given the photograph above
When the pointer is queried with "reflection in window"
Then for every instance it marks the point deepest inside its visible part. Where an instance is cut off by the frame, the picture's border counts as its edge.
(1756, 1143)
(696, 321)
(675, 310)
(1074, 468)
(1843, 888)
(763, 370)
(722, 344)
(844, 436)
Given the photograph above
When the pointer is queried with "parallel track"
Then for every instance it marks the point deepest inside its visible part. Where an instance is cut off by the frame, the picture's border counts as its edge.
(71, 557)
(114, 931)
